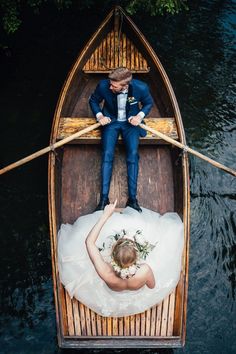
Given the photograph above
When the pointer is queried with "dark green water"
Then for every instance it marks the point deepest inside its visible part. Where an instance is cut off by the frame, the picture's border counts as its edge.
(197, 49)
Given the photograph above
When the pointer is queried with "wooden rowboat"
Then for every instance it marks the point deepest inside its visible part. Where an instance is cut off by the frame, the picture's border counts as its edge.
(74, 184)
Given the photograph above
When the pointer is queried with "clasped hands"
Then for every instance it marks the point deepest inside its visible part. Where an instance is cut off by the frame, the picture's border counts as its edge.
(134, 120)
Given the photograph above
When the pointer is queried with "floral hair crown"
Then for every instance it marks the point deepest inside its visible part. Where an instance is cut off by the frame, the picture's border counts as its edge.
(142, 246)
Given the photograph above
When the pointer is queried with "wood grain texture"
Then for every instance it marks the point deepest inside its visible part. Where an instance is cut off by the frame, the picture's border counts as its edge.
(69, 126)
(122, 52)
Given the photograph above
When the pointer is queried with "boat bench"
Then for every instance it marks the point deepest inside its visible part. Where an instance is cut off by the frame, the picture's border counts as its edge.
(69, 126)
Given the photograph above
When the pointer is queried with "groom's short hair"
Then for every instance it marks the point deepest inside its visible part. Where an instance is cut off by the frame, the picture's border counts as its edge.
(121, 74)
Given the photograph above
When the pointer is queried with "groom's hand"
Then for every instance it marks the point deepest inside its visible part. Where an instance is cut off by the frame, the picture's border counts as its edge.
(104, 120)
(135, 120)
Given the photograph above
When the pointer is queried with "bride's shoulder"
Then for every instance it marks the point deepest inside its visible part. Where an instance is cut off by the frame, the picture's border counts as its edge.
(143, 270)
(145, 274)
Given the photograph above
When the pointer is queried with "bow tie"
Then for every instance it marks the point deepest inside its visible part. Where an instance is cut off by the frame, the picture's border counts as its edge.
(122, 93)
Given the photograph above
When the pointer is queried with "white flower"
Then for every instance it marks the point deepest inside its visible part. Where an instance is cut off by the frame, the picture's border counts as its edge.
(132, 270)
(124, 273)
(122, 233)
(140, 239)
(142, 246)
(129, 234)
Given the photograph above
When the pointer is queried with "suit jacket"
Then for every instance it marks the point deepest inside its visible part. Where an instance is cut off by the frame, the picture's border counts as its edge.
(138, 92)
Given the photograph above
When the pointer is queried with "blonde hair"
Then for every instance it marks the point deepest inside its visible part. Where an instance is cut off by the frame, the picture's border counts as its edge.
(121, 74)
(124, 253)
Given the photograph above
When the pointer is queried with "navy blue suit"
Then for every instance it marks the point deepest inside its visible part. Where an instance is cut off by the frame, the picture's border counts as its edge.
(138, 93)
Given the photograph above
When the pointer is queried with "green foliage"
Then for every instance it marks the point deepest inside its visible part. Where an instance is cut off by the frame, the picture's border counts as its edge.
(10, 18)
(11, 9)
(157, 7)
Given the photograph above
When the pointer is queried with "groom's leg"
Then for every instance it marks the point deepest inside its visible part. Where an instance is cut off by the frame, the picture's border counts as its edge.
(110, 135)
(130, 136)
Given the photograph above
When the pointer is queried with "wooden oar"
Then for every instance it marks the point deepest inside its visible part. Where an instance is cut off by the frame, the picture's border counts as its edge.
(49, 148)
(186, 148)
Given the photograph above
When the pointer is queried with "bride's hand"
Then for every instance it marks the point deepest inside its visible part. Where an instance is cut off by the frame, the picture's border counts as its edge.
(109, 209)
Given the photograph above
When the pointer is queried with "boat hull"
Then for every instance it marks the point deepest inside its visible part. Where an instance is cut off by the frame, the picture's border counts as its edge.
(74, 190)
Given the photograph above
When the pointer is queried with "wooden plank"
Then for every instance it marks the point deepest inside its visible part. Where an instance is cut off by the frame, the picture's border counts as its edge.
(132, 64)
(126, 326)
(108, 46)
(153, 320)
(171, 314)
(93, 323)
(100, 56)
(99, 324)
(158, 319)
(69, 126)
(104, 53)
(164, 317)
(88, 321)
(82, 319)
(178, 306)
(77, 325)
(115, 330)
(120, 44)
(137, 66)
(128, 56)
(70, 316)
(104, 326)
(121, 326)
(96, 59)
(109, 326)
(140, 61)
(132, 325)
(137, 324)
(124, 50)
(116, 49)
(112, 49)
(62, 293)
(143, 322)
(145, 64)
(86, 66)
(148, 323)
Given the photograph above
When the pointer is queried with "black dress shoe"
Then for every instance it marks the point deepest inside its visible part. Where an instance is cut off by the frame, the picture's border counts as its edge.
(101, 205)
(133, 203)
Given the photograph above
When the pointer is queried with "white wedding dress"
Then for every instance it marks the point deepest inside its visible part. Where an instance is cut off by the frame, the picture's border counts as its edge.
(81, 280)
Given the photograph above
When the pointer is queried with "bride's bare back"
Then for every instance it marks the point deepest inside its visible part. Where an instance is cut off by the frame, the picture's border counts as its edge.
(143, 276)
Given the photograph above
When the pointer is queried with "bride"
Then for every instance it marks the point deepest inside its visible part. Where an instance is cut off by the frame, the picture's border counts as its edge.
(120, 264)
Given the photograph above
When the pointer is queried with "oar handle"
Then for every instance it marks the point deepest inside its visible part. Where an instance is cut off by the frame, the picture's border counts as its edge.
(49, 148)
(186, 148)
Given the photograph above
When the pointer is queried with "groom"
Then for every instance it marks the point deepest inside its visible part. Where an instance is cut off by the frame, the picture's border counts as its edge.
(122, 97)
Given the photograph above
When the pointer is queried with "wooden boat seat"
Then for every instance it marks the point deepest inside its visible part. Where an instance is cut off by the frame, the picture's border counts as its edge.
(69, 126)
(115, 50)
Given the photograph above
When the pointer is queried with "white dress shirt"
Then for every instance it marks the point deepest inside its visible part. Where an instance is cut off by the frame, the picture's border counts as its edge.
(121, 105)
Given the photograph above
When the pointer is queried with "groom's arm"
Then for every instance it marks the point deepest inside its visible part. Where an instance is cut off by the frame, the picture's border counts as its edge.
(95, 99)
(146, 100)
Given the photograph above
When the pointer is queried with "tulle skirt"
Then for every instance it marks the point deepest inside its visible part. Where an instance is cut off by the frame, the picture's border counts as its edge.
(81, 280)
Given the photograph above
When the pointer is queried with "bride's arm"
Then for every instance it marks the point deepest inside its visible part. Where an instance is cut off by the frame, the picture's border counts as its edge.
(151, 283)
(101, 267)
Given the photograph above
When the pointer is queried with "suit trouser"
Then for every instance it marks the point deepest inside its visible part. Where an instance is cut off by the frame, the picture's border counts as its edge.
(130, 135)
